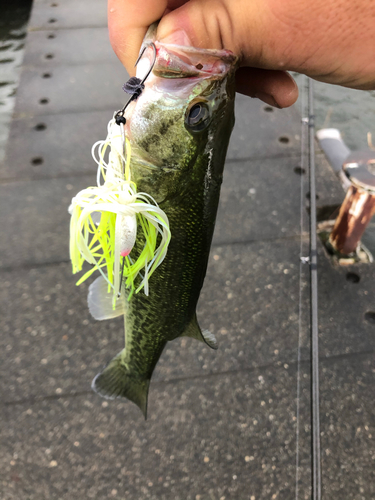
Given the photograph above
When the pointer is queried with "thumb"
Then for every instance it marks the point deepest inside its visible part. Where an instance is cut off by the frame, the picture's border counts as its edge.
(209, 24)
(224, 24)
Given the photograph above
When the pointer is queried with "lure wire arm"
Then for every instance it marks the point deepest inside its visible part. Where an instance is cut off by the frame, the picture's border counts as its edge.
(121, 275)
(134, 85)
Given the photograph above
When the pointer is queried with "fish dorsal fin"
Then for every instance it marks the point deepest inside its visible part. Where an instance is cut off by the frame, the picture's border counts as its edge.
(100, 301)
(193, 331)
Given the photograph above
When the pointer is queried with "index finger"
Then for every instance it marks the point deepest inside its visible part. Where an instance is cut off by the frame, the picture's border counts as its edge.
(128, 21)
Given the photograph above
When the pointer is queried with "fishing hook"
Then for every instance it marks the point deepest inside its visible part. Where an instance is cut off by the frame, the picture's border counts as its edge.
(134, 85)
(151, 44)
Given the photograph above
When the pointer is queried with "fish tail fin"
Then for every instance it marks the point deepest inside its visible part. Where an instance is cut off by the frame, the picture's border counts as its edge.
(116, 381)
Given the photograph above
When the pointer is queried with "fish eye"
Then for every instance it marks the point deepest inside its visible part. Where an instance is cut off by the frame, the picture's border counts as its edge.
(197, 117)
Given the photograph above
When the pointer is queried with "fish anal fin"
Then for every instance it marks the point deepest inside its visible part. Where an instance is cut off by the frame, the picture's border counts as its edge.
(116, 381)
(193, 331)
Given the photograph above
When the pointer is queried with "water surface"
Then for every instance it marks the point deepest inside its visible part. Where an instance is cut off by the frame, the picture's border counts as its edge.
(351, 111)
(13, 25)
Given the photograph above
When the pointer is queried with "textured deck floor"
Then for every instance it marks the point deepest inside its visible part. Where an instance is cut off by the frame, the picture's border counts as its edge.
(222, 425)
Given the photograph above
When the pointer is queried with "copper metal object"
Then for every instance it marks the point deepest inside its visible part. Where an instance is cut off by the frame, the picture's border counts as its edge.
(359, 203)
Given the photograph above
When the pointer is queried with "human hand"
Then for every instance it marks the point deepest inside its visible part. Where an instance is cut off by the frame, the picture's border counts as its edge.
(329, 40)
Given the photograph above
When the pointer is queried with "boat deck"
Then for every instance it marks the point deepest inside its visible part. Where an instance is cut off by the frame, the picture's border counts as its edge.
(224, 425)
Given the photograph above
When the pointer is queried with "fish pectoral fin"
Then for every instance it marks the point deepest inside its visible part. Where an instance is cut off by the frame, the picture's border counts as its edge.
(100, 301)
(193, 331)
(116, 381)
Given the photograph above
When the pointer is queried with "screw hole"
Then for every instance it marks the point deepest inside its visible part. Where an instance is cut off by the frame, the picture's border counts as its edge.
(370, 317)
(52, 20)
(40, 126)
(54, 4)
(49, 56)
(37, 161)
(44, 101)
(284, 139)
(353, 278)
(268, 109)
(308, 196)
(299, 170)
(46, 75)
(51, 35)
(199, 66)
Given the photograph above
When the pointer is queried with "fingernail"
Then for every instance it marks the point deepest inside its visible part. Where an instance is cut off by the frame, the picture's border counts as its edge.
(178, 37)
(267, 98)
(294, 90)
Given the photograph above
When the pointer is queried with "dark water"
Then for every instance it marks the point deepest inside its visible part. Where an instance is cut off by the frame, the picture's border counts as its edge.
(14, 15)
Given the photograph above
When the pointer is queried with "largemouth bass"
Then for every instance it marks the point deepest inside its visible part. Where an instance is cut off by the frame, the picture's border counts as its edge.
(178, 128)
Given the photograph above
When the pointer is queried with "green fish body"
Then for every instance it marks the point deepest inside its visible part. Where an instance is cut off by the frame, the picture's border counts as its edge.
(179, 129)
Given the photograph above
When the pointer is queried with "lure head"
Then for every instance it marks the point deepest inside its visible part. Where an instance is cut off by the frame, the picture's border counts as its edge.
(182, 120)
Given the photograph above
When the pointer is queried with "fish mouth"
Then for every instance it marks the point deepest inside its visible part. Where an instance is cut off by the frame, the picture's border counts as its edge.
(184, 61)
(139, 161)
(176, 61)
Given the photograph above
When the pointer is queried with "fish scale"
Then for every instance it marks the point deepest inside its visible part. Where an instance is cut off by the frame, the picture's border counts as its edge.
(178, 158)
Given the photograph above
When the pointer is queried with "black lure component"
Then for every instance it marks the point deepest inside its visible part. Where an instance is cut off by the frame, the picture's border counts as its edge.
(120, 119)
(133, 86)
